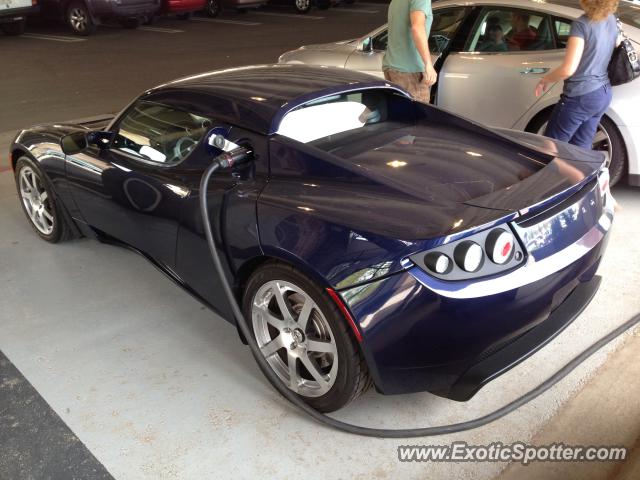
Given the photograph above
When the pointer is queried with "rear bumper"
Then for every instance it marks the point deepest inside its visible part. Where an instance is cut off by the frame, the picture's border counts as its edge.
(419, 337)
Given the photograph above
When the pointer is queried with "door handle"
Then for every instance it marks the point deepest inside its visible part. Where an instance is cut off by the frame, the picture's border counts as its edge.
(535, 71)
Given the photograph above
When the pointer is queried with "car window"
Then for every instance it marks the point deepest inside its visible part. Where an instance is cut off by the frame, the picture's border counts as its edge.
(444, 27)
(333, 115)
(562, 28)
(159, 133)
(511, 30)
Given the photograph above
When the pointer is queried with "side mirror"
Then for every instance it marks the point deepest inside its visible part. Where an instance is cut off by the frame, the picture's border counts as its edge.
(74, 143)
(366, 45)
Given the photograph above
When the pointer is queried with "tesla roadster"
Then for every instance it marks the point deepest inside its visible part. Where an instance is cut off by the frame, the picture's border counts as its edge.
(371, 239)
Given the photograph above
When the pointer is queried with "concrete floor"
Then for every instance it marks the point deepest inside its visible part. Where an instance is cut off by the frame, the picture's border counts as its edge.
(158, 387)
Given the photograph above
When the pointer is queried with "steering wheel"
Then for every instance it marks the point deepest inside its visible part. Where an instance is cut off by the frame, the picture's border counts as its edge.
(183, 147)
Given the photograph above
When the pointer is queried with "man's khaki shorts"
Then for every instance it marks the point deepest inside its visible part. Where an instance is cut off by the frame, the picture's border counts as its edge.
(411, 82)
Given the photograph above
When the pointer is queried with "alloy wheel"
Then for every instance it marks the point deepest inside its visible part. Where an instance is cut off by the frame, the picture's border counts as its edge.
(36, 201)
(295, 338)
(78, 19)
(303, 5)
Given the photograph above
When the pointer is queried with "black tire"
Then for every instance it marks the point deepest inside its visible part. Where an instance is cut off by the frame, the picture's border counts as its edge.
(185, 16)
(130, 22)
(618, 163)
(323, 4)
(213, 8)
(302, 6)
(79, 19)
(61, 229)
(352, 376)
(14, 28)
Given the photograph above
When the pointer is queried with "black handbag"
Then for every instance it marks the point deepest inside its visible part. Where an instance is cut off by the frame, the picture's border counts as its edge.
(624, 66)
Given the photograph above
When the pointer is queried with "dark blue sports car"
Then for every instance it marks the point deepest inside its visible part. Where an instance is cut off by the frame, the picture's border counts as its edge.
(371, 239)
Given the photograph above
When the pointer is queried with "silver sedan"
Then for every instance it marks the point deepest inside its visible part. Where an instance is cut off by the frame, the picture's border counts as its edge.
(488, 73)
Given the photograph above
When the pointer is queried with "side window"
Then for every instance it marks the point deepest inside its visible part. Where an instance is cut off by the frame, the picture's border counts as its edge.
(509, 30)
(379, 42)
(562, 28)
(159, 133)
(444, 27)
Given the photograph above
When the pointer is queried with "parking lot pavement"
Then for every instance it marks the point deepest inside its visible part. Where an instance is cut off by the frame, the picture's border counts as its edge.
(156, 386)
(49, 74)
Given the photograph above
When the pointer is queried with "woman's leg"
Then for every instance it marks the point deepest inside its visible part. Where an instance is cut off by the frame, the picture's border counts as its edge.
(598, 104)
(567, 117)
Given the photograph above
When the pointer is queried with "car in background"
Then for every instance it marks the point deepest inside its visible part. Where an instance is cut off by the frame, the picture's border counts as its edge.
(496, 87)
(183, 9)
(371, 238)
(303, 6)
(83, 16)
(214, 7)
(13, 15)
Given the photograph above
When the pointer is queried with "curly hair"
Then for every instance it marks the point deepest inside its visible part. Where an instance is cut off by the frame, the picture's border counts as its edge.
(598, 10)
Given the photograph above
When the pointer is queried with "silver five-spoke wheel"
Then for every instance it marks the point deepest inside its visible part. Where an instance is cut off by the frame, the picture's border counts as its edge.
(36, 201)
(78, 19)
(295, 338)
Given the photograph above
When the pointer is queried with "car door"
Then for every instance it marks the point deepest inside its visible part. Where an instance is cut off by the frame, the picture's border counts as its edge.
(133, 188)
(367, 56)
(493, 80)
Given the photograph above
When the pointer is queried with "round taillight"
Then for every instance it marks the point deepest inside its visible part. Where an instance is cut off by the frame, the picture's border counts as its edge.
(438, 262)
(469, 256)
(500, 246)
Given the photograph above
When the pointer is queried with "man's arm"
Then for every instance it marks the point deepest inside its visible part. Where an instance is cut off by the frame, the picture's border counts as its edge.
(419, 35)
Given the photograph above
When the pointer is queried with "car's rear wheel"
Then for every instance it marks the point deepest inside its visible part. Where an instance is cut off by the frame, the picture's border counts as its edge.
(39, 202)
(302, 6)
(14, 28)
(213, 8)
(304, 337)
(79, 19)
(608, 140)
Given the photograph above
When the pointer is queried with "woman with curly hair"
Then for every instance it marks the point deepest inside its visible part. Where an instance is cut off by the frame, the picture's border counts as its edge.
(587, 91)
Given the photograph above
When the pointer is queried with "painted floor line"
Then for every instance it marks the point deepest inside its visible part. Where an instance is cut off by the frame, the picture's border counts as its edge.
(289, 15)
(230, 22)
(160, 30)
(357, 10)
(53, 38)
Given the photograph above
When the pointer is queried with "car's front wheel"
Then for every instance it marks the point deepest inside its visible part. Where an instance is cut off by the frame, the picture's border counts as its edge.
(304, 337)
(608, 140)
(213, 8)
(302, 6)
(39, 203)
(79, 19)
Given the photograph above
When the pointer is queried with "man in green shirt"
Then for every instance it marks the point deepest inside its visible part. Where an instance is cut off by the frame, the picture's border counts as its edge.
(407, 60)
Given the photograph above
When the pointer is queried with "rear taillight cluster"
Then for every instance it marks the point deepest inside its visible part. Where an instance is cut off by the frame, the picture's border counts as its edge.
(486, 253)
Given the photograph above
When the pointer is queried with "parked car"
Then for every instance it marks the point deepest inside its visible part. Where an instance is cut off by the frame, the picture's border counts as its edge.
(304, 6)
(214, 7)
(371, 238)
(83, 16)
(183, 9)
(497, 88)
(13, 15)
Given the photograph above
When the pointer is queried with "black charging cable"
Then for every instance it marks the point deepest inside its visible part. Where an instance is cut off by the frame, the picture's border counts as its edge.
(239, 155)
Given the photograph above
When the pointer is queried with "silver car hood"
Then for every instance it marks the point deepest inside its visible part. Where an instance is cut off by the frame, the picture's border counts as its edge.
(348, 44)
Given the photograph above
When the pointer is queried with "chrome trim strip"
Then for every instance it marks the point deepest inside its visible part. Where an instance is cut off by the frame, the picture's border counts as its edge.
(531, 272)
